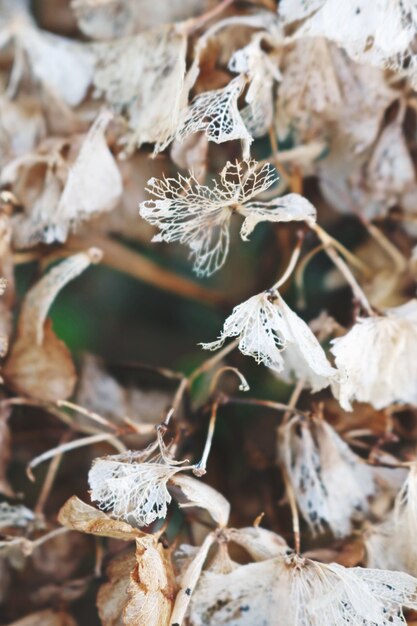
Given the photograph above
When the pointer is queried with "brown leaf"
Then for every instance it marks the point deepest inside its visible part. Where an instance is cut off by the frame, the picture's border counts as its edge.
(112, 596)
(40, 364)
(45, 372)
(78, 515)
(152, 588)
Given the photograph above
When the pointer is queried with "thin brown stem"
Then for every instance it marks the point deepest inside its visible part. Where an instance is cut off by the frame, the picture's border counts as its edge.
(50, 478)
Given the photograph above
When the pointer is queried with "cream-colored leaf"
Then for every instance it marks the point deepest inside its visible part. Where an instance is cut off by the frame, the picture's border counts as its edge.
(332, 485)
(39, 364)
(216, 114)
(112, 596)
(133, 485)
(198, 216)
(203, 496)
(77, 515)
(366, 374)
(289, 208)
(94, 184)
(63, 65)
(306, 592)
(144, 76)
(268, 330)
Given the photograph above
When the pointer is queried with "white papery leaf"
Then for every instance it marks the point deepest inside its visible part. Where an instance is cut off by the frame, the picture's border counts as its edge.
(40, 297)
(110, 19)
(260, 543)
(94, 184)
(332, 485)
(201, 495)
(267, 328)
(198, 216)
(262, 71)
(380, 33)
(64, 66)
(143, 76)
(216, 113)
(133, 485)
(391, 544)
(323, 91)
(289, 208)
(306, 592)
(367, 374)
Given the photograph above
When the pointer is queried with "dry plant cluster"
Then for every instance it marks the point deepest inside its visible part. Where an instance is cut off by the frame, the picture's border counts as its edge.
(273, 480)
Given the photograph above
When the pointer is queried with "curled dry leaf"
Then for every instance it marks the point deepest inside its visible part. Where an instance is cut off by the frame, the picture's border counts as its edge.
(77, 515)
(379, 33)
(200, 495)
(217, 115)
(112, 595)
(152, 585)
(111, 19)
(390, 545)
(332, 485)
(39, 364)
(64, 66)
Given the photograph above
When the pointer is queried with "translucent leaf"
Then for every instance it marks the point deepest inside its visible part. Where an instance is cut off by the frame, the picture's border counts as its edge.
(216, 113)
(308, 593)
(366, 374)
(198, 216)
(140, 75)
(133, 486)
(267, 329)
(94, 184)
(332, 485)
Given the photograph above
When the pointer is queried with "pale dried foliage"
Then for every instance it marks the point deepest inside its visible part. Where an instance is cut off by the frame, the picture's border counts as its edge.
(332, 485)
(274, 335)
(297, 116)
(199, 216)
(367, 373)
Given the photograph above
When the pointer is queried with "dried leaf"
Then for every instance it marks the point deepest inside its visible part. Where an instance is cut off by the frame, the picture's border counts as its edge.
(366, 374)
(203, 496)
(140, 75)
(39, 364)
(199, 216)
(94, 184)
(112, 596)
(332, 485)
(274, 335)
(152, 585)
(77, 515)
